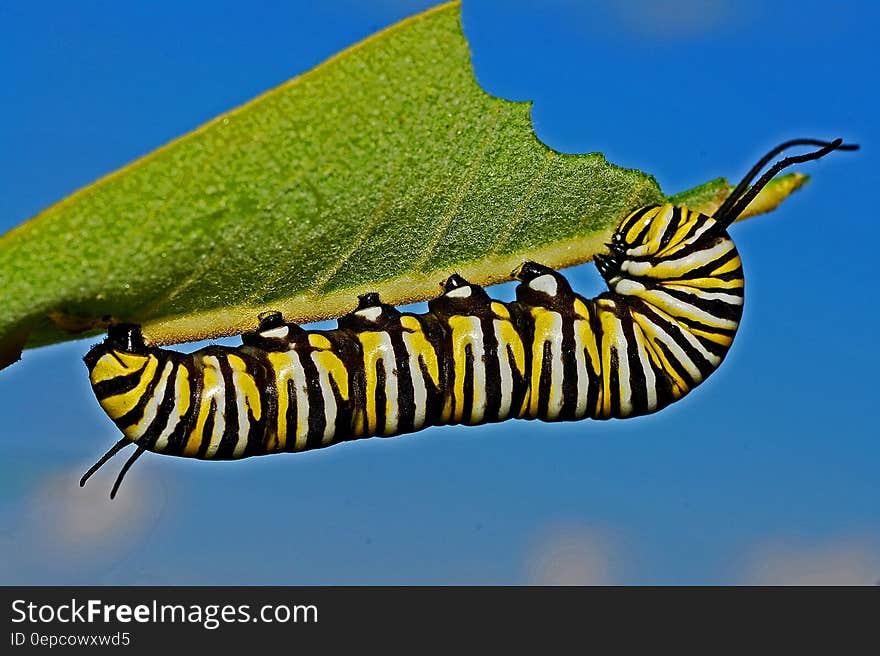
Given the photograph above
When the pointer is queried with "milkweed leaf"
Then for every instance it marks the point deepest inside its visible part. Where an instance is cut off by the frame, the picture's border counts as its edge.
(384, 169)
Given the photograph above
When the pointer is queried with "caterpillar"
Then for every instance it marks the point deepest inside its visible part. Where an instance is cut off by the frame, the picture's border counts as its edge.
(669, 317)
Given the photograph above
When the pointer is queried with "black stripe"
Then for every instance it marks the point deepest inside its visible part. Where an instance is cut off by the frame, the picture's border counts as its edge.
(381, 397)
(632, 219)
(178, 439)
(350, 351)
(163, 413)
(317, 410)
(207, 430)
(614, 383)
(671, 228)
(405, 390)
(706, 270)
(521, 320)
(119, 384)
(520, 386)
(693, 324)
(259, 366)
(638, 381)
(467, 402)
(595, 394)
(229, 439)
(291, 417)
(436, 334)
(704, 242)
(434, 405)
(545, 380)
(342, 430)
(713, 347)
(570, 382)
(715, 307)
(677, 366)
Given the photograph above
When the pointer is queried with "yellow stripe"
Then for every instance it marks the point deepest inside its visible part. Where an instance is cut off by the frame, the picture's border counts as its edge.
(544, 329)
(109, 366)
(183, 390)
(500, 310)
(334, 367)
(422, 347)
(371, 342)
(690, 223)
(507, 336)
(281, 368)
(245, 384)
(732, 265)
(610, 327)
(319, 341)
(210, 376)
(117, 406)
(461, 339)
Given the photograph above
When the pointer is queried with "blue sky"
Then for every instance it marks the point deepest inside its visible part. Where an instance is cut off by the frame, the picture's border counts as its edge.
(767, 473)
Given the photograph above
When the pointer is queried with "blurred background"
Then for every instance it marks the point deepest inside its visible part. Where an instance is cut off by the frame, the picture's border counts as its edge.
(766, 474)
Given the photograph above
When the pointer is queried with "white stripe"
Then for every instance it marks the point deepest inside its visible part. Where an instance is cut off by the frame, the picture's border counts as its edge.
(244, 423)
(219, 395)
(554, 403)
(173, 416)
(478, 351)
(420, 390)
(545, 283)
(705, 295)
(389, 362)
(624, 375)
(582, 371)
(696, 234)
(626, 286)
(459, 292)
(686, 263)
(506, 373)
(671, 305)
(152, 407)
(280, 332)
(301, 392)
(370, 313)
(650, 377)
(330, 407)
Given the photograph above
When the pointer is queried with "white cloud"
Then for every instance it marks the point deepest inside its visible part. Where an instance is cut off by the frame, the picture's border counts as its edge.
(673, 17)
(847, 561)
(570, 553)
(64, 533)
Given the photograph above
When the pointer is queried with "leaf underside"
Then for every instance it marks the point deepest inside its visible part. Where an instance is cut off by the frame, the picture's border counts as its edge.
(384, 169)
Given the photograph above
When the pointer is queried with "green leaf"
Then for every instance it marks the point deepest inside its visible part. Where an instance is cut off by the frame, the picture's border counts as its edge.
(386, 168)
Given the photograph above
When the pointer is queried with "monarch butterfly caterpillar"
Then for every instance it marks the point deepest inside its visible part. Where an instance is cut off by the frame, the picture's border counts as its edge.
(673, 307)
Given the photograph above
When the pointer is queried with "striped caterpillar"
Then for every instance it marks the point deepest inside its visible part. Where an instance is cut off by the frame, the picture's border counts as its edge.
(673, 305)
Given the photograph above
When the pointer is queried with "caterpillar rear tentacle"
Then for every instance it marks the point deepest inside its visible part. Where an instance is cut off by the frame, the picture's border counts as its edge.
(669, 317)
